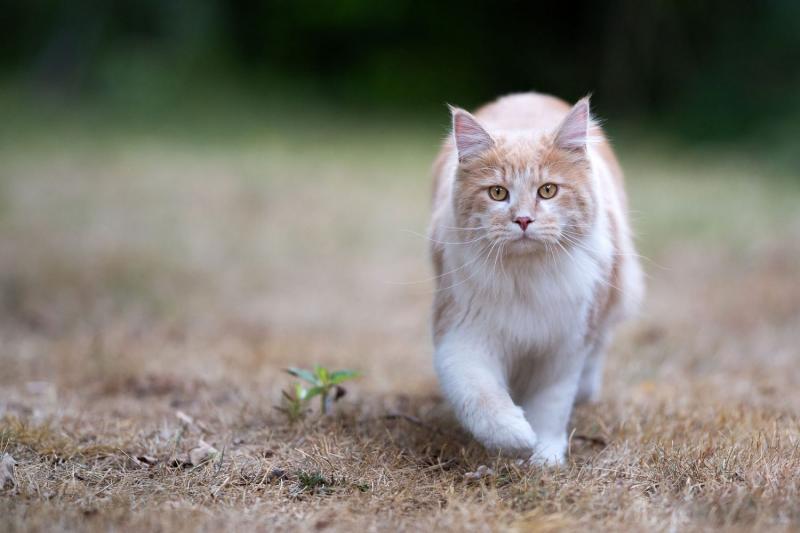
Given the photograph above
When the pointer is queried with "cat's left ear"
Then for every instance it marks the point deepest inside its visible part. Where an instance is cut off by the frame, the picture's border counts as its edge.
(573, 133)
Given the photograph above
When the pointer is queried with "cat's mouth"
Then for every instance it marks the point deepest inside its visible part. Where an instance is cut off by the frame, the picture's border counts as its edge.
(524, 243)
(526, 236)
(531, 242)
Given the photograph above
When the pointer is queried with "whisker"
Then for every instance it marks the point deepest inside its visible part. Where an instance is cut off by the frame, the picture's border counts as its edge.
(550, 254)
(502, 266)
(600, 279)
(499, 249)
(441, 242)
(468, 229)
(443, 274)
(491, 249)
(571, 238)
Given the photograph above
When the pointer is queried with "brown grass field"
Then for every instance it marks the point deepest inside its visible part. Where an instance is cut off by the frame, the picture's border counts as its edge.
(153, 287)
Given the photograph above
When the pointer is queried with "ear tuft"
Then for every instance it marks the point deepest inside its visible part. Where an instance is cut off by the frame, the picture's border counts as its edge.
(573, 133)
(471, 139)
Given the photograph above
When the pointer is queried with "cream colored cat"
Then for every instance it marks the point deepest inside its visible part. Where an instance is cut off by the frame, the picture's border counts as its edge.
(535, 265)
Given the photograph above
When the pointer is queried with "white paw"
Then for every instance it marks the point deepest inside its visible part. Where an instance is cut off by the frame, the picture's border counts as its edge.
(549, 452)
(508, 432)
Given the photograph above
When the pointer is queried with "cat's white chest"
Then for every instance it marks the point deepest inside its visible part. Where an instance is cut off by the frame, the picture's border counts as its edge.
(532, 311)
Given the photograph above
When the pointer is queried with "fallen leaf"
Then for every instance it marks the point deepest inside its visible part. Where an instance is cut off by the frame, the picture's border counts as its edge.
(482, 471)
(7, 471)
(147, 459)
(181, 461)
(188, 421)
(183, 417)
(276, 473)
(202, 453)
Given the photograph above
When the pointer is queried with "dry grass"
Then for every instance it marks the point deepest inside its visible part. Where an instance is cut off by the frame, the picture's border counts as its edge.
(142, 278)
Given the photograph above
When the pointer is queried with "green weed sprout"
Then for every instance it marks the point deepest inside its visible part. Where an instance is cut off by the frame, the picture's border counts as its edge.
(294, 403)
(324, 383)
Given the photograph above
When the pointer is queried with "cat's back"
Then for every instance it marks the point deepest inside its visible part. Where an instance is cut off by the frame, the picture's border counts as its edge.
(524, 111)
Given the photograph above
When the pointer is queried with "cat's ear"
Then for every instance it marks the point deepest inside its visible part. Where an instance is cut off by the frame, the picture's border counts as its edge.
(573, 133)
(471, 139)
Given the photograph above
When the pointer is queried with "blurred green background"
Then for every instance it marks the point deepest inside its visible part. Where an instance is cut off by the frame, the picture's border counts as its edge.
(696, 72)
(700, 99)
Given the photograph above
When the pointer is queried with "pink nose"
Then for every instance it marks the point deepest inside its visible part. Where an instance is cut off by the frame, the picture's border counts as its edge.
(523, 222)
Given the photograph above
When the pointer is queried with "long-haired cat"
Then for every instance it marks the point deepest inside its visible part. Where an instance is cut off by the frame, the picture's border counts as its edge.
(535, 265)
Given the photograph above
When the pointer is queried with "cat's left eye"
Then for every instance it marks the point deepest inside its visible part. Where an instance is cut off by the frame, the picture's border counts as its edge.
(498, 193)
(548, 190)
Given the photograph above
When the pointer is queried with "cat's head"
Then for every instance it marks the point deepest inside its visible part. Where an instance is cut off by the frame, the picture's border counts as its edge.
(526, 193)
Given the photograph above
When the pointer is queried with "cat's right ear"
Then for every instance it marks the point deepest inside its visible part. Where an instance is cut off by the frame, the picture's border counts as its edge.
(471, 139)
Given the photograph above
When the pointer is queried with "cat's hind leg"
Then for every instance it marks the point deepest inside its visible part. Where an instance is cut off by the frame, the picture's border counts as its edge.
(591, 381)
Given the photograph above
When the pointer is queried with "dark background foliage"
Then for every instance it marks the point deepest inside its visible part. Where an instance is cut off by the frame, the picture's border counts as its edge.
(702, 69)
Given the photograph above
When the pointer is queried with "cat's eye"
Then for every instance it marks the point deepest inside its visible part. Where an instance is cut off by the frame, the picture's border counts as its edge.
(548, 190)
(498, 193)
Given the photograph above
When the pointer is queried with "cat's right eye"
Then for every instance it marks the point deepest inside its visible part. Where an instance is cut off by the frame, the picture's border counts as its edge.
(498, 193)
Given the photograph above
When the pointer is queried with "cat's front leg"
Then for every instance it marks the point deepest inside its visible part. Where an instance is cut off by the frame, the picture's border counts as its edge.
(473, 381)
(548, 405)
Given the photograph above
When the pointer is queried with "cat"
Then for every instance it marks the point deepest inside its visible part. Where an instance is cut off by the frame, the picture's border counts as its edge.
(535, 264)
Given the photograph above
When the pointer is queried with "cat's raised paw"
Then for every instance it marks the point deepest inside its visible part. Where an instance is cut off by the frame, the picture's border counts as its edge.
(507, 432)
